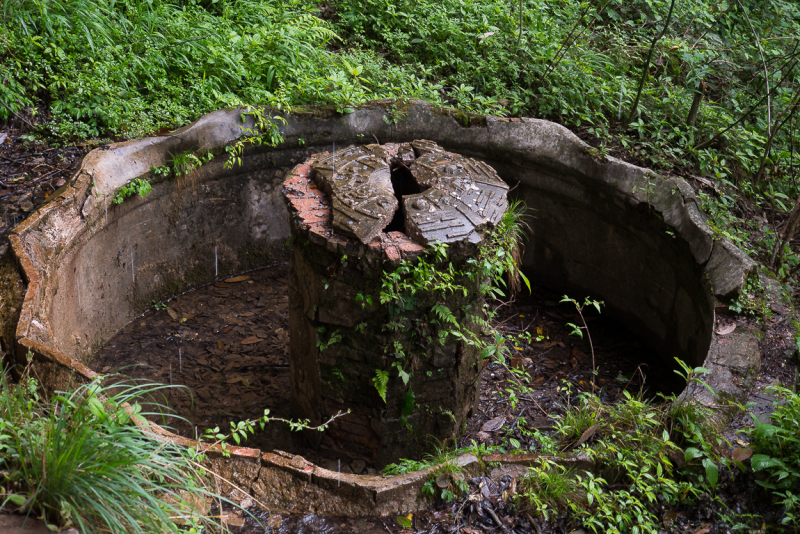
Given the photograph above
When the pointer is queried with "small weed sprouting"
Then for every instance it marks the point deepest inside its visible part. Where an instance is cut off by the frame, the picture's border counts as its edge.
(323, 344)
(548, 488)
(445, 482)
(751, 300)
(137, 186)
(184, 164)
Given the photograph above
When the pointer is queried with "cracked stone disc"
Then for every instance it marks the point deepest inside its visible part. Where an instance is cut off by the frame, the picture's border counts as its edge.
(460, 196)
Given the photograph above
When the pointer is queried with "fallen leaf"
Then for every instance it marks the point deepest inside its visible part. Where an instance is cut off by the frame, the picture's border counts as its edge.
(493, 425)
(221, 284)
(544, 345)
(234, 380)
(588, 433)
(483, 436)
(227, 329)
(741, 454)
(172, 313)
(725, 330)
(220, 344)
(404, 521)
(235, 279)
(250, 340)
(704, 529)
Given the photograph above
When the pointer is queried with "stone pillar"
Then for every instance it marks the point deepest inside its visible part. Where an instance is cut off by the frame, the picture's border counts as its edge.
(348, 227)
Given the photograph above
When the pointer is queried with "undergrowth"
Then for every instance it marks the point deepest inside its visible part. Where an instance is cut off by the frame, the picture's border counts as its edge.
(79, 459)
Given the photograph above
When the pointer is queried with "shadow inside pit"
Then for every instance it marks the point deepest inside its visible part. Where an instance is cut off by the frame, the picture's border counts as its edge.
(226, 346)
(403, 183)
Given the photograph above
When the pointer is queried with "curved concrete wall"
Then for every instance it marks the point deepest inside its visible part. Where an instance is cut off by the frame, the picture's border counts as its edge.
(616, 231)
(612, 230)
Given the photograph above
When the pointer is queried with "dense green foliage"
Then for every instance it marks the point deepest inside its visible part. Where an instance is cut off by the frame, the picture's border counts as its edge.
(78, 459)
(101, 68)
(129, 67)
(581, 63)
(777, 445)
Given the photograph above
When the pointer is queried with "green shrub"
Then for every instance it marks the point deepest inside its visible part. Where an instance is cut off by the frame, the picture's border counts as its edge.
(777, 451)
(78, 459)
(130, 67)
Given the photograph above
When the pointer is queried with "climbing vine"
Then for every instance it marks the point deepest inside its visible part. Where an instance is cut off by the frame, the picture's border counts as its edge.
(426, 300)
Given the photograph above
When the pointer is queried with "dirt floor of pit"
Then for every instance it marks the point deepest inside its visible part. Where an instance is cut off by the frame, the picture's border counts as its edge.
(226, 348)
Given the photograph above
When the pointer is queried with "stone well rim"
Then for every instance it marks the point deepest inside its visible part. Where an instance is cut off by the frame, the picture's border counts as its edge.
(105, 170)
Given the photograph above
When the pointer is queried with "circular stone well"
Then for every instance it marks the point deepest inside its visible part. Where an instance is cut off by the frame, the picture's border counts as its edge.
(340, 205)
(601, 227)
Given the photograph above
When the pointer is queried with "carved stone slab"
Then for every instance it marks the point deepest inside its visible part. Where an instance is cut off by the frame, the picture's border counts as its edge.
(359, 182)
(460, 195)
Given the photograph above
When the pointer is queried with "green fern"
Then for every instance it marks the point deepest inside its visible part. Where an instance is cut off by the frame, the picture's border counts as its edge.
(381, 382)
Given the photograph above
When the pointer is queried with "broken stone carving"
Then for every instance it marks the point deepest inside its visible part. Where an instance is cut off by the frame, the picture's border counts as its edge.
(354, 214)
(452, 197)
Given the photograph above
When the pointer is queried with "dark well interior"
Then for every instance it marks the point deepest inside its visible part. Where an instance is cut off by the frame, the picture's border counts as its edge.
(584, 240)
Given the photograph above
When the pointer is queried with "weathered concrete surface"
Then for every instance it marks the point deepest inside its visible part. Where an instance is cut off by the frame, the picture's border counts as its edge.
(612, 243)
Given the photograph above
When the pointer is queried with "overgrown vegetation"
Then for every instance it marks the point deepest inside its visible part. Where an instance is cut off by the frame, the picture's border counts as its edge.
(97, 68)
(701, 88)
(424, 298)
(649, 456)
(78, 459)
(777, 445)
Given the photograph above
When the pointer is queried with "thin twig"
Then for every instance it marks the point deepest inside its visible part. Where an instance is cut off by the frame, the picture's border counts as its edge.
(646, 66)
(17, 116)
(766, 72)
(748, 112)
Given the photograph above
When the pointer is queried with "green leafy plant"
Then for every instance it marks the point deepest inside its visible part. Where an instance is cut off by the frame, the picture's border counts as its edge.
(137, 186)
(579, 330)
(323, 344)
(777, 445)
